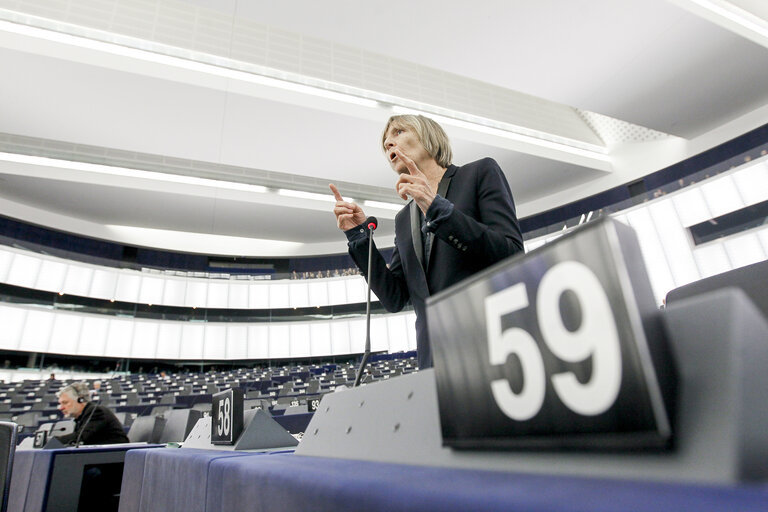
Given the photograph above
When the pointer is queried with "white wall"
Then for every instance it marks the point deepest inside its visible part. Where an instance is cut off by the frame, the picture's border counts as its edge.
(48, 330)
(42, 272)
(661, 225)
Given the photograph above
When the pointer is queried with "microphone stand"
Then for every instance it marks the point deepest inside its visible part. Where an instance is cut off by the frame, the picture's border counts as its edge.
(367, 353)
(80, 434)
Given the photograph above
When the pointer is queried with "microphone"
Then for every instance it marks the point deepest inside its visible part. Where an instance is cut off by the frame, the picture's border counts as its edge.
(80, 434)
(371, 223)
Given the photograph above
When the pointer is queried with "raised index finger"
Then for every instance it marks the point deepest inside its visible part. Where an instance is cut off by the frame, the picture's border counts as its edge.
(336, 192)
(413, 169)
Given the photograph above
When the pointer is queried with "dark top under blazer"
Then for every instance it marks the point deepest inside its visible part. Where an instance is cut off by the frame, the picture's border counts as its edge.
(102, 428)
(481, 230)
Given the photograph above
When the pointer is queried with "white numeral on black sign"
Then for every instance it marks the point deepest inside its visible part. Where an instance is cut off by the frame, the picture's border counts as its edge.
(225, 418)
(596, 337)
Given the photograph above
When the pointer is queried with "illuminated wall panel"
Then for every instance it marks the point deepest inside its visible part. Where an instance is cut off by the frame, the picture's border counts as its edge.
(192, 340)
(675, 242)
(6, 259)
(653, 252)
(299, 294)
(744, 249)
(691, 207)
(712, 259)
(320, 336)
(169, 340)
(300, 340)
(23, 271)
(65, 335)
(119, 337)
(93, 335)
(318, 293)
(51, 276)
(357, 335)
(258, 296)
(237, 341)
(280, 341)
(37, 330)
(337, 292)
(278, 296)
(752, 183)
(410, 321)
(78, 280)
(379, 334)
(357, 289)
(238, 296)
(174, 292)
(398, 333)
(197, 293)
(215, 346)
(762, 234)
(340, 337)
(144, 343)
(12, 319)
(67, 332)
(218, 294)
(258, 341)
(128, 287)
(722, 196)
(151, 290)
(103, 284)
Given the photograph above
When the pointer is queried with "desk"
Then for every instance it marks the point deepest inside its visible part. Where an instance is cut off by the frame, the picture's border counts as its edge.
(51, 480)
(170, 479)
(210, 481)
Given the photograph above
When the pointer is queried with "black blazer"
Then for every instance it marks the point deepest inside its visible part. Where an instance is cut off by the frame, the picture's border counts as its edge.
(482, 230)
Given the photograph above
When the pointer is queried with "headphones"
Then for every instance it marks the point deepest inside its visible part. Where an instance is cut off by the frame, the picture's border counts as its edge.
(80, 390)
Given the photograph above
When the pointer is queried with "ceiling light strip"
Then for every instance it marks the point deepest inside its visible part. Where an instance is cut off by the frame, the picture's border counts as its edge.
(735, 14)
(151, 51)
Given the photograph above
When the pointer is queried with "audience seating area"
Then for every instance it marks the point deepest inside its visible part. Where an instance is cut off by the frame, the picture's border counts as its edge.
(33, 403)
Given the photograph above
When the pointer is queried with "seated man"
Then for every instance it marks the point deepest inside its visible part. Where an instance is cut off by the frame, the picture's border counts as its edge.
(94, 424)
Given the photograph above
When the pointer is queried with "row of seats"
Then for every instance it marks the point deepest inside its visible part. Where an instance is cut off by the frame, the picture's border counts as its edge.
(276, 389)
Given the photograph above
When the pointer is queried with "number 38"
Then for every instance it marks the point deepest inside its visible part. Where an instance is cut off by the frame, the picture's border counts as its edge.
(596, 337)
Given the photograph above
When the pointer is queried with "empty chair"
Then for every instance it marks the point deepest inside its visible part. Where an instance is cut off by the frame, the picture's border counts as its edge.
(203, 407)
(39, 406)
(125, 418)
(750, 278)
(146, 429)
(28, 419)
(160, 410)
(178, 424)
(168, 398)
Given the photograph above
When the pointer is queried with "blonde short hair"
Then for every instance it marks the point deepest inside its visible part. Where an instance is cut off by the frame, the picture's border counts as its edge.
(430, 134)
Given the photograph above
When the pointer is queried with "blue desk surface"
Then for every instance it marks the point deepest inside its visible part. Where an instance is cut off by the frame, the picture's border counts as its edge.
(202, 480)
(32, 471)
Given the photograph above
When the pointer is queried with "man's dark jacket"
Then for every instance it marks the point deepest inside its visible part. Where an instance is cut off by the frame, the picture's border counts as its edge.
(103, 427)
(481, 229)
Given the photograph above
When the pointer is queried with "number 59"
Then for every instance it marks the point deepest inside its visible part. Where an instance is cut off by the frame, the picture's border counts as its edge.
(596, 337)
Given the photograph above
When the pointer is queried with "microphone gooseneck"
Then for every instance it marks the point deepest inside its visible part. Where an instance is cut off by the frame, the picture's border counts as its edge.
(371, 223)
(80, 434)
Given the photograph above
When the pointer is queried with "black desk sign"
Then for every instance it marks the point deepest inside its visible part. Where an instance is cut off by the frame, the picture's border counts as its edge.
(559, 348)
(313, 404)
(41, 437)
(227, 416)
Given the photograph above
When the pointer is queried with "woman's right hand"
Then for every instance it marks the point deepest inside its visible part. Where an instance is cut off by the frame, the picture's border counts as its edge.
(348, 215)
